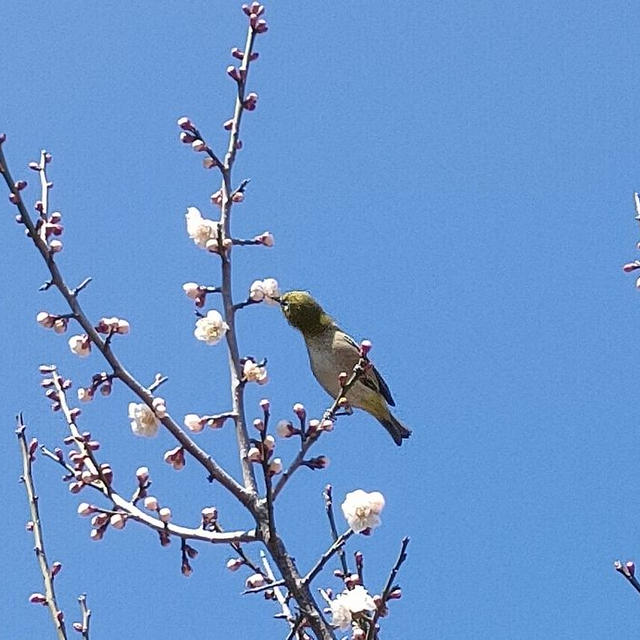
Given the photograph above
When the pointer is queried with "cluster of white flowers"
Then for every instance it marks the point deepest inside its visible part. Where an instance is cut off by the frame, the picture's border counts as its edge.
(362, 509)
(348, 604)
(144, 422)
(202, 231)
(266, 290)
(211, 328)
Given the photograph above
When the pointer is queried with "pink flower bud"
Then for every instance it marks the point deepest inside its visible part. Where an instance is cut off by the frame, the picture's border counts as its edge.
(245, 7)
(209, 515)
(37, 598)
(396, 594)
(233, 564)
(326, 425)
(186, 138)
(186, 124)
(254, 580)
(631, 568)
(275, 467)
(198, 145)
(313, 425)
(233, 73)
(29, 525)
(55, 246)
(209, 162)
(45, 319)
(261, 26)
(254, 455)
(96, 534)
(285, 429)
(228, 124)
(85, 509)
(266, 239)
(258, 425)
(238, 197)
(99, 520)
(151, 503)
(55, 217)
(142, 474)
(165, 514)
(365, 347)
(194, 422)
(117, 521)
(56, 567)
(77, 626)
(20, 185)
(300, 411)
(76, 487)
(60, 325)
(269, 443)
(237, 53)
(265, 405)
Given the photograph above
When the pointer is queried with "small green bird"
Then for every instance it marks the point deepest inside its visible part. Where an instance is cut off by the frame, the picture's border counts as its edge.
(332, 351)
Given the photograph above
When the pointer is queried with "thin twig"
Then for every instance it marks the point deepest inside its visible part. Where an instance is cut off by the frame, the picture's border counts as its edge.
(86, 616)
(45, 569)
(628, 571)
(327, 555)
(388, 588)
(280, 597)
(328, 505)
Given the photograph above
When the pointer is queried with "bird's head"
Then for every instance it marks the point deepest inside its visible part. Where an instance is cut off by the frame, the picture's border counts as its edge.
(304, 313)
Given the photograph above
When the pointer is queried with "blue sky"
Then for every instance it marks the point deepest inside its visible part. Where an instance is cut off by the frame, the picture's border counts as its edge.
(452, 181)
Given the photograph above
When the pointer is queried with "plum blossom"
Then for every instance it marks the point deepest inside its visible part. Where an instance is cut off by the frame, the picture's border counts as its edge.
(362, 509)
(266, 290)
(194, 422)
(144, 422)
(212, 328)
(253, 372)
(348, 604)
(202, 231)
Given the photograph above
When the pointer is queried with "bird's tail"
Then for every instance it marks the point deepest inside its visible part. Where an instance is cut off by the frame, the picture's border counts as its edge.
(397, 430)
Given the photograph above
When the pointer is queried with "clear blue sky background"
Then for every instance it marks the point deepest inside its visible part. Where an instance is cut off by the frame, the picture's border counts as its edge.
(453, 181)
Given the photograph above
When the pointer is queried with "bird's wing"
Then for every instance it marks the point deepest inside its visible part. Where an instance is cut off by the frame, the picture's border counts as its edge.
(372, 378)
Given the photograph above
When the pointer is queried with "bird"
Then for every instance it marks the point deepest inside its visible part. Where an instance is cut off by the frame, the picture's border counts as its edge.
(331, 352)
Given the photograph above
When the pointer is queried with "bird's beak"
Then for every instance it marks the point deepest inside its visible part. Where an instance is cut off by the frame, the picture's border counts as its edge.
(278, 300)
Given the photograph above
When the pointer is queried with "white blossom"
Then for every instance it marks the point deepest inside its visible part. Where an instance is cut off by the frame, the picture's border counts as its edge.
(266, 290)
(349, 603)
(143, 420)
(211, 328)
(191, 289)
(80, 345)
(201, 230)
(362, 509)
(253, 372)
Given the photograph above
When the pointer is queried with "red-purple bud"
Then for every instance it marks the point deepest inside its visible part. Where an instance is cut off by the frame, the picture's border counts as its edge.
(186, 124)
(38, 598)
(14, 198)
(237, 53)
(34, 166)
(365, 347)
(631, 568)
(228, 124)
(3, 137)
(186, 137)
(55, 568)
(245, 7)
(261, 26)
(233, 73)
(20, 185)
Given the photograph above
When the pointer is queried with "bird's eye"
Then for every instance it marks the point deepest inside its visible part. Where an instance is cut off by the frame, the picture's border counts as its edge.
(285, 306)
